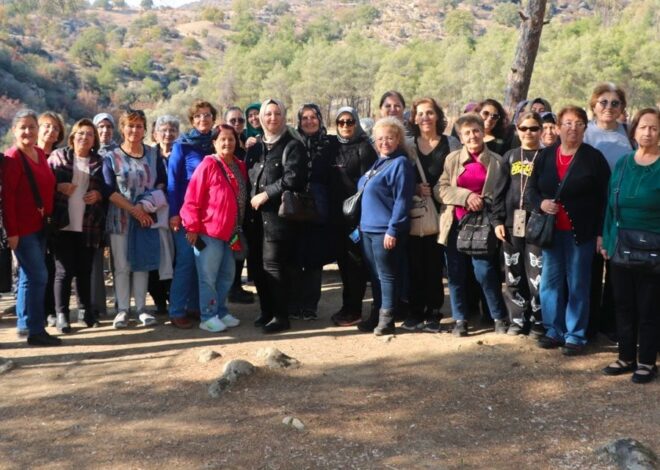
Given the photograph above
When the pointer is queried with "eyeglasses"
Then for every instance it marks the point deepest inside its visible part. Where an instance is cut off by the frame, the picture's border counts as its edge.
(345, 123)
(573, 125)
(239, 120)
(530, 129)
(614, 104)
(386, 139)
(489, 115)
(202, 116)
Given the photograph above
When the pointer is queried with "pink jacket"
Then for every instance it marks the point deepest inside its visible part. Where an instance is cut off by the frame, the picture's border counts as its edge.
(210, 205)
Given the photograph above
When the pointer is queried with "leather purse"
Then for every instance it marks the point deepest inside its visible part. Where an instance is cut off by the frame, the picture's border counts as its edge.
(352, 206)
(476, 236)
(297, 206)
(423, 214)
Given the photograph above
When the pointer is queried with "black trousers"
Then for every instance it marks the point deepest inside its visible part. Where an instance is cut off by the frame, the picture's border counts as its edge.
(637, 314)
(353, 270)
(426, 262)
(159, 290)
(522, 271)
(602, 317)
(72, 259)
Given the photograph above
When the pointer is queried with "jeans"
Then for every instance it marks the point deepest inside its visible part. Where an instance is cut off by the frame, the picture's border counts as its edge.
(566, 264)
(215, 267)
(487, 272)
(72, 259)
(184, 292)
(384, 265)
(123, 275)
(32, 279)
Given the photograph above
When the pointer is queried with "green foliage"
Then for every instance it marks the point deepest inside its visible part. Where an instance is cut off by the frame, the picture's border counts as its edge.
(190, 43)
(459, 23)
(213, 14)
(90, 47)
(105, 4)
(140, 63)
(279, 8)
(506, 14)
(323, 28)
(246, 29)
(147, 4)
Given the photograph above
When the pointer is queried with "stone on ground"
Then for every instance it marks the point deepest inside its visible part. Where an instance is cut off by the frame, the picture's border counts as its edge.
(231, 372)
(207, 355)
(6, 365)
(629, 454)
(276, 359)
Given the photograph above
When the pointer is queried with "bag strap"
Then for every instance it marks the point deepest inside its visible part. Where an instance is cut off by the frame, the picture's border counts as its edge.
(233, 190)
(618, 190)
(285, 154)
(568, 172)
(422, 175)
(33, 184)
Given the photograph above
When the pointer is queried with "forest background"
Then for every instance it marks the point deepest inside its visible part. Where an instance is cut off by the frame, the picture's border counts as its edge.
(78, 58)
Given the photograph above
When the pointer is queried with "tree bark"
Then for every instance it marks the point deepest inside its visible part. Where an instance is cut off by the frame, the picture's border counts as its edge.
(520, 75)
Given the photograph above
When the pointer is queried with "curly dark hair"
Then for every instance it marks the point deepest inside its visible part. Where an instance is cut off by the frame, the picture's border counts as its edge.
(440, 124)
(502, 124)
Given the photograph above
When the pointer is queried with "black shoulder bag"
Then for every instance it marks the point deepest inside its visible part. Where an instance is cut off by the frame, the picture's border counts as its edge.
(297, 206)
(352, 206)
(476, 236)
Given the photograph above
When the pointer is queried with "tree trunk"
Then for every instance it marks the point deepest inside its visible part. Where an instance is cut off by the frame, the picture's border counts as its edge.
(528, 45)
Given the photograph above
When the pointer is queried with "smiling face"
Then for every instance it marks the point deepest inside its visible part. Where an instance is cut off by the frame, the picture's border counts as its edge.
(273, 119)
(490, 115)
(166, 134)
(608, 108)
(529, 133)
(571, 130)
(49, 132)
(225, 143)
(133, 131)
(647, 131)
(309, 122)
(236, 120)
(253, 118)
(203, 120)
(387, 140)
(426, 118)
(25, 132)
(83, 141)
(392, 106)
(472, 137)
(345, 125)
(105, 130)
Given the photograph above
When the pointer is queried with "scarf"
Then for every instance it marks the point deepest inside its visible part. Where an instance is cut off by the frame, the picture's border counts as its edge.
(201, 142)
(249, 130)
(272, 139)
(314, 142)
(358, 134)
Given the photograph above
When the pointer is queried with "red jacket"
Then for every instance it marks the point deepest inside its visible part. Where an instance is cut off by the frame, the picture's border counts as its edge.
(210, 206)
(20, 212)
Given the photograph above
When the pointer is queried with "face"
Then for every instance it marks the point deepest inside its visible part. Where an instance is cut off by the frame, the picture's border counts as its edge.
(426, 117)
(105, 130)
(236, 120)
(490, 116)
(49, 131)
(529, 133)
(309, 122)
(571, 129)
(273, 119)
(253, 118)
(133, 131)
(646, 133)
(166, 134)
(345, 125)
(538, 108)
(203, 120)
(83, 140)
(549, 135)
(225, 143)
(472, 137)
(25, 132)
(392, 107)
(608, 108)
(387, 140)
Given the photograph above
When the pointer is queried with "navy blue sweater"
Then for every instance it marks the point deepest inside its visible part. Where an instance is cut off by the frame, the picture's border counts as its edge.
(387, 196)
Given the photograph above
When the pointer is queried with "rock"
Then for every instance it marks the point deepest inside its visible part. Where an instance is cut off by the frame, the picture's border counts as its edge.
(6, 365)
(276, 359)
(207, 355)
(230, 374)
(218, 386)
(293, 422)
(630, 454)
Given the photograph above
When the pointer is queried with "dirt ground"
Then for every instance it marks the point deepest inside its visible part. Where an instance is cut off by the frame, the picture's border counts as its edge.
(138, 398)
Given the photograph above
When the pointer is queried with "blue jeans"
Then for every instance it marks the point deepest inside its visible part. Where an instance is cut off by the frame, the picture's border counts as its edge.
(215, 266)
(32, 278)
(566, 264)
(384, 266)
(487, 272)
(184, 292)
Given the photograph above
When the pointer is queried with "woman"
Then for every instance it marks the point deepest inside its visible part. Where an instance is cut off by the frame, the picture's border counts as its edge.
(470, 181)
(578, 215)
(549, 134)
(235, 118)
(313, 242)
(51, 132)
(212, 213)
(636, 179)
(607, 134)
(355, 155)
(24, 213)
(164, 133)
(392, 104)
(253, 128)
(425, 255)
(496, 126)
(522, 260)
(132, 171)
(187, 153)
(270, 237)
(79, 200)
(388, 188)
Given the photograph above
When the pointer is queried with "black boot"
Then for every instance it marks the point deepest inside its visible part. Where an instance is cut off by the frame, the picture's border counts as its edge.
(385, 322)
(367, 325)
(62, 324)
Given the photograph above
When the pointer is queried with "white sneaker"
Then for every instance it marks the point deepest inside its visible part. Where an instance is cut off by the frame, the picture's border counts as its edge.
(120, 321)
(214, 325)
(147, 319)
(230, 321)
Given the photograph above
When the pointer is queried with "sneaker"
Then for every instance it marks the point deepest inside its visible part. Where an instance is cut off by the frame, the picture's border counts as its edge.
(51, 320)
(230, 321)
(276, 325)
(460, 328)
(431, 326)
(537, 330)
(411, 324)
(81, 317)
(120, 321)
(22, 332)
(213, 324)
(147, 319)
(296, 316)
(501, 327)
(309, 315)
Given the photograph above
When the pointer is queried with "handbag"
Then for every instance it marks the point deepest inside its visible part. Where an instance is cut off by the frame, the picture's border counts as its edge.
(634, 249)
(297, 206)
(423, 214)
(476, 236)
(352, 206)
(540, 227)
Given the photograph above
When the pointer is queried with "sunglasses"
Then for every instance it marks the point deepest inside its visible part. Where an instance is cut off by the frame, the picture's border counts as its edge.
(346, 123)
(487, 115)
(237, 121)
(614, 104)
(530, 129)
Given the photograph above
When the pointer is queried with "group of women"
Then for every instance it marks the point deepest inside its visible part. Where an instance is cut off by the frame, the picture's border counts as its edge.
(182, 217)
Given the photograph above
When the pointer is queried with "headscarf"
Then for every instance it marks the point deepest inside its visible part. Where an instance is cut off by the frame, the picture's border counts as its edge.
(312, 141)
(201, 142)
(359, 132)
(271, 139)
(251, 131)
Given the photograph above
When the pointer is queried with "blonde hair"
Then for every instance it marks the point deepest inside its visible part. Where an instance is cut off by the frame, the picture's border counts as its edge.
(390, 122)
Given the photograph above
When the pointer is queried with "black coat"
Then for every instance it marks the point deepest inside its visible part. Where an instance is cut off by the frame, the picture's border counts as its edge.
(584, 195)
(267, 173)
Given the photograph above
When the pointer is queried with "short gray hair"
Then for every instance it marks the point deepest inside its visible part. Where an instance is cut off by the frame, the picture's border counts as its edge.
(469, 119)
(167, 120)
(25, 113)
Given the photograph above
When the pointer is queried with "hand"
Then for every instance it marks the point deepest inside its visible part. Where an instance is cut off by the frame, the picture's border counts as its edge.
(474, 202)
(549, 206)
(250, 142)
(141, 216)
(66, 188)
(599, 246)
(12, 242)
(500, 232)
(389, 242)
(423, 190)
(259, 200)
(175, 223)
(191, 237)
(92, 197)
